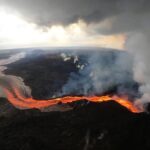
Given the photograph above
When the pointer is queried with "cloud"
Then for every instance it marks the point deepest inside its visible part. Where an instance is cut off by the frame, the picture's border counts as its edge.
(48, 12)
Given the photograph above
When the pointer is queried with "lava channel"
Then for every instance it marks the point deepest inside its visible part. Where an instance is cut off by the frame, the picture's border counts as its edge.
(20, 101)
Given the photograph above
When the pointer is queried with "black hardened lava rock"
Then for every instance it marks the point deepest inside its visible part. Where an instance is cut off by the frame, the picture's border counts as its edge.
(93, 126)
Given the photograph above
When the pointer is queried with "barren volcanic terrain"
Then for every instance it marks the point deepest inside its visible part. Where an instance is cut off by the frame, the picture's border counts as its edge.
(83, 124)
(46, 72)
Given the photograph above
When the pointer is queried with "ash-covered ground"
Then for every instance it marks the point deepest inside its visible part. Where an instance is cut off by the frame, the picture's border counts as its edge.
(87, 126)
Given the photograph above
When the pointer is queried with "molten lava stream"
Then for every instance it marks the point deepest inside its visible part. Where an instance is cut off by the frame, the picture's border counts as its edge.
(20, 101)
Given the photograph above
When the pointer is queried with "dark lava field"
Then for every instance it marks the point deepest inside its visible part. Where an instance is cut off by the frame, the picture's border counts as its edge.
(106, 126)
(87, 126)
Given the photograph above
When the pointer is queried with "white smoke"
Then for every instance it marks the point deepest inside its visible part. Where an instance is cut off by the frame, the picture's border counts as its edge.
(9, 80)
(102, 71)
(12, 59)
(139, 46)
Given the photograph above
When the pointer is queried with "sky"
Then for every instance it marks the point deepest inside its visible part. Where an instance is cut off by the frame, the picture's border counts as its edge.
(48, 23)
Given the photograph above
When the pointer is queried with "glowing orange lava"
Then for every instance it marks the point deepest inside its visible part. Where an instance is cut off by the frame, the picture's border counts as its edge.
(20, 101)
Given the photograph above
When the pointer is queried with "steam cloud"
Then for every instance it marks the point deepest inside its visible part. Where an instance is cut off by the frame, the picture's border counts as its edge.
(8, 80)
(139, 46)
(103, 71)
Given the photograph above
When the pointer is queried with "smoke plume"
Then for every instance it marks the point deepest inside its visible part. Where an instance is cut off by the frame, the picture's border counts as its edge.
(102, 71)
(138, 44)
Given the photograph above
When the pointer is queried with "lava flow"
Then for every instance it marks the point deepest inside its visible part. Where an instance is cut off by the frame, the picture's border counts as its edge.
(20, 101)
